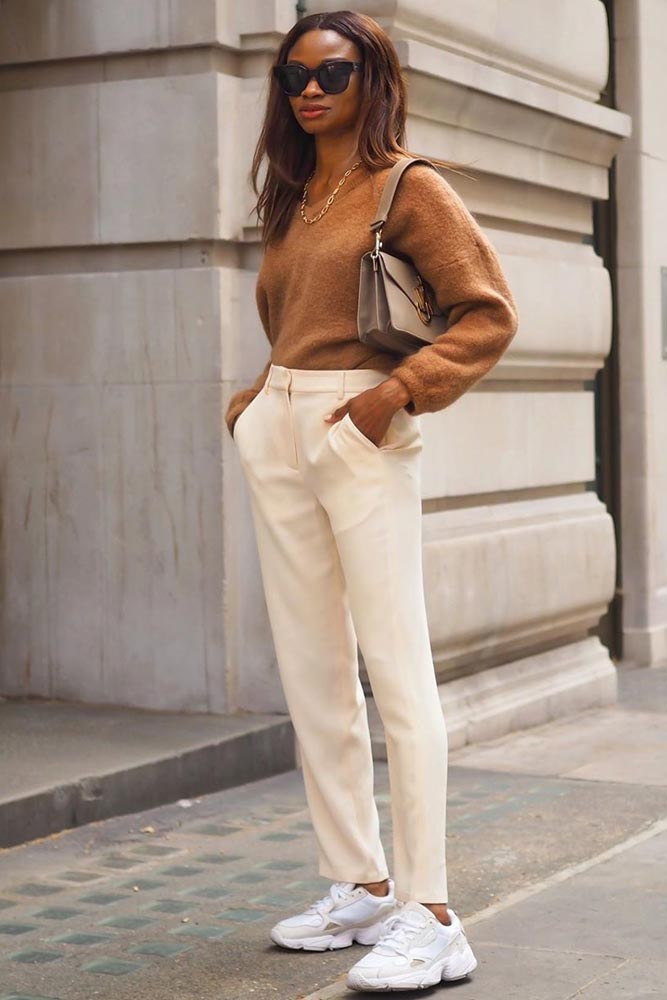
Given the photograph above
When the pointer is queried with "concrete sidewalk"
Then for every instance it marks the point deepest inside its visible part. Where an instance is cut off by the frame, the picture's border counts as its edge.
(557, 843)
(595, 931)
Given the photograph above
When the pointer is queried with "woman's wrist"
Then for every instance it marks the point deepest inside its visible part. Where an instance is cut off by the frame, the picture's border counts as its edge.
(396, 392)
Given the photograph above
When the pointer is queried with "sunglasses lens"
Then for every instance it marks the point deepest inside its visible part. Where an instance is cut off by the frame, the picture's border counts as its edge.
(334, 77)
(292, 79)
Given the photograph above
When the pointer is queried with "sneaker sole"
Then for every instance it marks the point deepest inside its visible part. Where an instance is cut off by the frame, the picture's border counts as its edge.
(330, 942)
(449, 969)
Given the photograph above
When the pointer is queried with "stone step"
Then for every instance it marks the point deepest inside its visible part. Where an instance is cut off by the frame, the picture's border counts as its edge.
(65, 764)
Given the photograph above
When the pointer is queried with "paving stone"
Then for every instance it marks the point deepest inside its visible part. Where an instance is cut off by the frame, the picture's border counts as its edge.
(181, 871)
(216, 829)
(280, 836)
(112, 966)
(249, 878)
(164, 949)
(33, 957)
(15, 929)
(169, 906)
(76, 937)
(144, 884)
(241, 913)
(119, 862)
(126, 923)
(102, 898)
(277, 899)
(4, 905)
(155, 850)
(79, 877)
(210, 933)
(283, 866)
(218, 859)
(303, 826)
(208, 892)
(36, 889)
(57, 913)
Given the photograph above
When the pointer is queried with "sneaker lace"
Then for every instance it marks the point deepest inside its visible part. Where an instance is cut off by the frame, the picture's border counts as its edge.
(398, 932)
(324, 905)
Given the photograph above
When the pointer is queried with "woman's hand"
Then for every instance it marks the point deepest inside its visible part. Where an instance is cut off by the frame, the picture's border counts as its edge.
(372, 410)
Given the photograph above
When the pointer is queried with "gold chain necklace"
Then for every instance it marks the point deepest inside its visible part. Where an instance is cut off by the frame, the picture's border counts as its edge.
(331, 197)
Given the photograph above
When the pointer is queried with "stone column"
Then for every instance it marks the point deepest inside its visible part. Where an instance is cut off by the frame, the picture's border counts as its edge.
(641, 36)
(126, 275)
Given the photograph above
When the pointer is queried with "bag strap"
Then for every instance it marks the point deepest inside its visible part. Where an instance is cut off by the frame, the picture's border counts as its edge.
(390, 186)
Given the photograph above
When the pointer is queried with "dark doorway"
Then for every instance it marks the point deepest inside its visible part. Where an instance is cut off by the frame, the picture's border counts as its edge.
(607, 434)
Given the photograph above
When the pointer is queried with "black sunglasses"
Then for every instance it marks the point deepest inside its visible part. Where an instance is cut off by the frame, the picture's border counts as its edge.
(333, 77)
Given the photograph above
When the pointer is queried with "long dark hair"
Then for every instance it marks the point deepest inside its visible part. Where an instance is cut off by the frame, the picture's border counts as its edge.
(290, 152)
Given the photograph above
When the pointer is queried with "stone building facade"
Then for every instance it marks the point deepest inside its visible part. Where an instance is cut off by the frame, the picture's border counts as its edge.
(128, 258)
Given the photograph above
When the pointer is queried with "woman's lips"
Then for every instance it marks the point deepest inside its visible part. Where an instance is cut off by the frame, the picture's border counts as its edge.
(313, 112)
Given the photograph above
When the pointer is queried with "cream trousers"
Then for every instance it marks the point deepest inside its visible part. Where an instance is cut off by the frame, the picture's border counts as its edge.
(338, 527)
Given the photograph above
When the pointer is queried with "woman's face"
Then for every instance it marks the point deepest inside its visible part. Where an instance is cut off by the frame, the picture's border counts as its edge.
(342, 110)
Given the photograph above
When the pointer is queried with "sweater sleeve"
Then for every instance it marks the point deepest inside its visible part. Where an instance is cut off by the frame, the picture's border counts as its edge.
(244, 397)
(429, 223)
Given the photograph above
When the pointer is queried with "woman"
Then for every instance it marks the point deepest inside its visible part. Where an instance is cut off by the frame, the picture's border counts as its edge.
(330, 443)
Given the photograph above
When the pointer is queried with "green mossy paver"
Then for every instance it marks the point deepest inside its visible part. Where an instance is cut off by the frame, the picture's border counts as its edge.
(209, 933)
(169, 906)
(36, 889)
(112, 966)
(78, 877)
(216, 829)
(165, 949)
(155, 850)
(209, 892)
(6, 903)
(31, 956)
(76, 937)
(181, 871)
(143, 884)
(242, 914)
(119, 862)
(218, 859)
(126, 923)
(250, 878)
(280, 836)
(15, 929)
(102, 898)
(278, 899)
(57, 913)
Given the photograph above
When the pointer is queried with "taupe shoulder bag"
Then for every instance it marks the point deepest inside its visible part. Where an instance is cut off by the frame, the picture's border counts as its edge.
(397, 309)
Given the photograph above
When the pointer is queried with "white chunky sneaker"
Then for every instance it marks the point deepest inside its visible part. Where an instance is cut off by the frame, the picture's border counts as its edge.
(414, 951)
(340, 918)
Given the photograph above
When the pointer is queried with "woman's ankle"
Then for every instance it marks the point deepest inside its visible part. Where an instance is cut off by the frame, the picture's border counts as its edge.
(375, 888)
(440, 911)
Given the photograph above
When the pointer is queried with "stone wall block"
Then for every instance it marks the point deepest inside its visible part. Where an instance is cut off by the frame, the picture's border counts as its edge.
(53, 546)
(497, 440)
(126, 327)
(501, 576)
(163, 533)
(158, 159)
(48, 167)
(569, 51)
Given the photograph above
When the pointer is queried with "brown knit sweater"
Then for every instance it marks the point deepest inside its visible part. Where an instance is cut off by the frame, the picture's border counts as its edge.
(308, 285)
